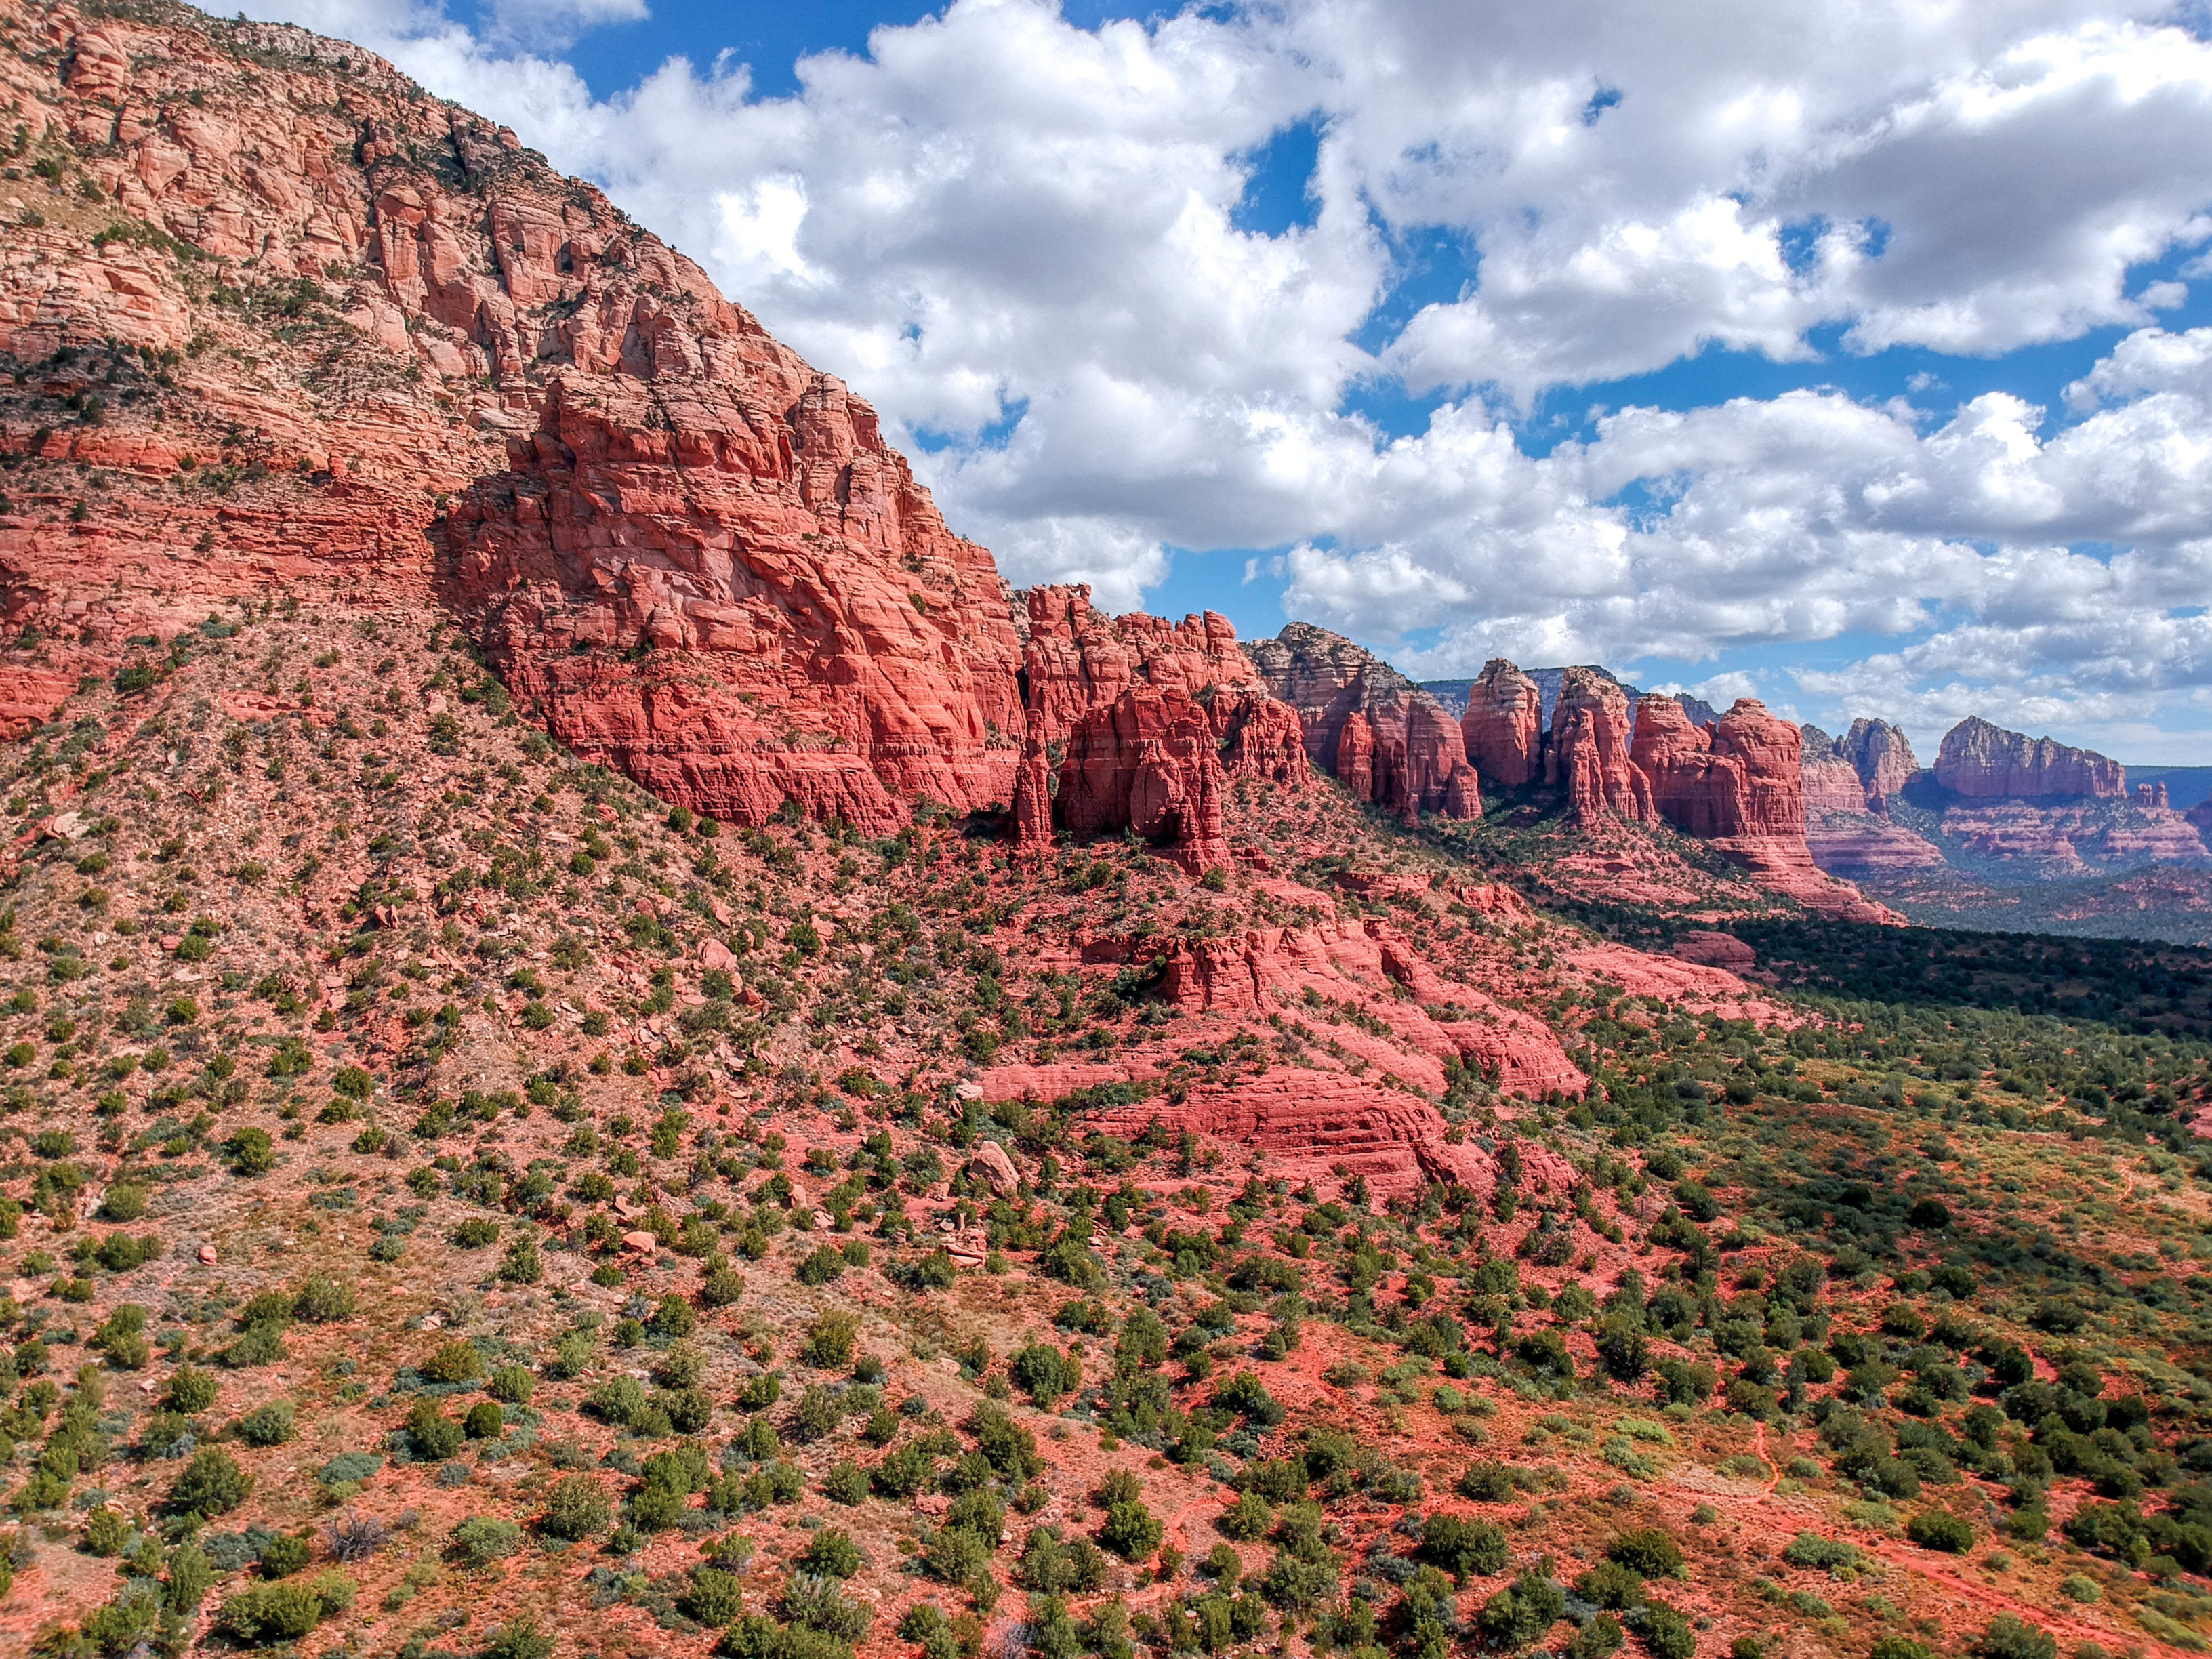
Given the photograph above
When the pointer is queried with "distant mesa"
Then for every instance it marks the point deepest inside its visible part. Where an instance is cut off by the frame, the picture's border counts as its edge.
(1982, 761)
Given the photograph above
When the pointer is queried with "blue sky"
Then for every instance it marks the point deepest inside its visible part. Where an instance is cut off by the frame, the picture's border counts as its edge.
(1874, 378)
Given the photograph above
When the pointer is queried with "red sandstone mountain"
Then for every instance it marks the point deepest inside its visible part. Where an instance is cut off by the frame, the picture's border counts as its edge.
(1504, 725)
(1369, 726)
(1982, 761)
(1587, 751)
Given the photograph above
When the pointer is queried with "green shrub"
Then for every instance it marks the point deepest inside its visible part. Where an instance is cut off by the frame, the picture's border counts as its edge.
(323, 1301)
(269, 1424)
(1665, 1631)
(1650, 1551)
(1939, 1530)
(830, 1340)
(124, 1201)
(485, 1421)
(192, 1390)
(435, 1436)
(832, 1554)
(482, 1540)
(212, 1484)
(519, 1639)
(1131, 1531)
(512, 1383)
(454, 1362)
(2010, 1636)
(576, 1508)
(285, 1611)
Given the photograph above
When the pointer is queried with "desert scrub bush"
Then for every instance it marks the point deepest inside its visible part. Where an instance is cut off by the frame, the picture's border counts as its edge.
(454, 1362)
(482, 1540)
(511, 1383)
(1650, 1551)
(322, 1301)
(1131, 1530)
(285, 1611)
(269, 1424)
(1939, 1530)
(212, 1484)
(576, 1508)
(830, 1340)
(435, 1436)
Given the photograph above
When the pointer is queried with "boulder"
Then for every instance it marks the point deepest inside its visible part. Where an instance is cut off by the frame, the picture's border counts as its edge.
(991, 1166)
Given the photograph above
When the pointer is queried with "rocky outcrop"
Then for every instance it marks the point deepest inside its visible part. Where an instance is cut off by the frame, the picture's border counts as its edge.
(1369, 726)
(1504, 725)
(1740, 784)
(1077, 661)
(1327, 1127)
(1882, 757)
(1982, 761)
(1587, 752)
(711, 573)
(1831, 782)
(1147, 762)
(2153, 795)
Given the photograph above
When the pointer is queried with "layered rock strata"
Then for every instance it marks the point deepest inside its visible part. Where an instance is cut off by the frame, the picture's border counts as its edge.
(1387, 740)
(1503, 728)
(1982, 761)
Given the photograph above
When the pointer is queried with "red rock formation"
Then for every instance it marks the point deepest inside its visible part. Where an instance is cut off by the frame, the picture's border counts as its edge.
(1831, 782)
(1982, 761)
(1412, 759)
(1882, 757)
(1147, 762)
(1033, 792)
(1076, 659)
(1313, 1125)
(811, 631)
(424, 312)
(1740, 785)
(1699, 793)
(1355, 755)
(2153, 795)
(1504, 725)
(1588, 752)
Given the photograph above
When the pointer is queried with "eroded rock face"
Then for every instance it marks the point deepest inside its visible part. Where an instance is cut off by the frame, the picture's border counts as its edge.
(739, 603)
(1077, 661)
(1147, 762)
(1588, 752)
(1881, 755)
(1369, 726)
(1504, 725)
(1982, 761)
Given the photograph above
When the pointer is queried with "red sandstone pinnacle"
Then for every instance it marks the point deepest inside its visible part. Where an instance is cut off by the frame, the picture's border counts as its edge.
(1147, 762)
(1504, 725)
(1589, 751)
(1411, 758)
(1882, 756)
(1355, 755)
(1983, 761)
(1033, 797)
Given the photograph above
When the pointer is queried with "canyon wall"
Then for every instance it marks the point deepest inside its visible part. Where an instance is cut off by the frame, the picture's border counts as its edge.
(1369, 726)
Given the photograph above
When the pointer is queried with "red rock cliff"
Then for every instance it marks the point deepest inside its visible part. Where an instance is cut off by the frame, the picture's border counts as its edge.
(1587, 752)
(1147, 762)
(1983, 761)
(1411, 758)
(1504, 725)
